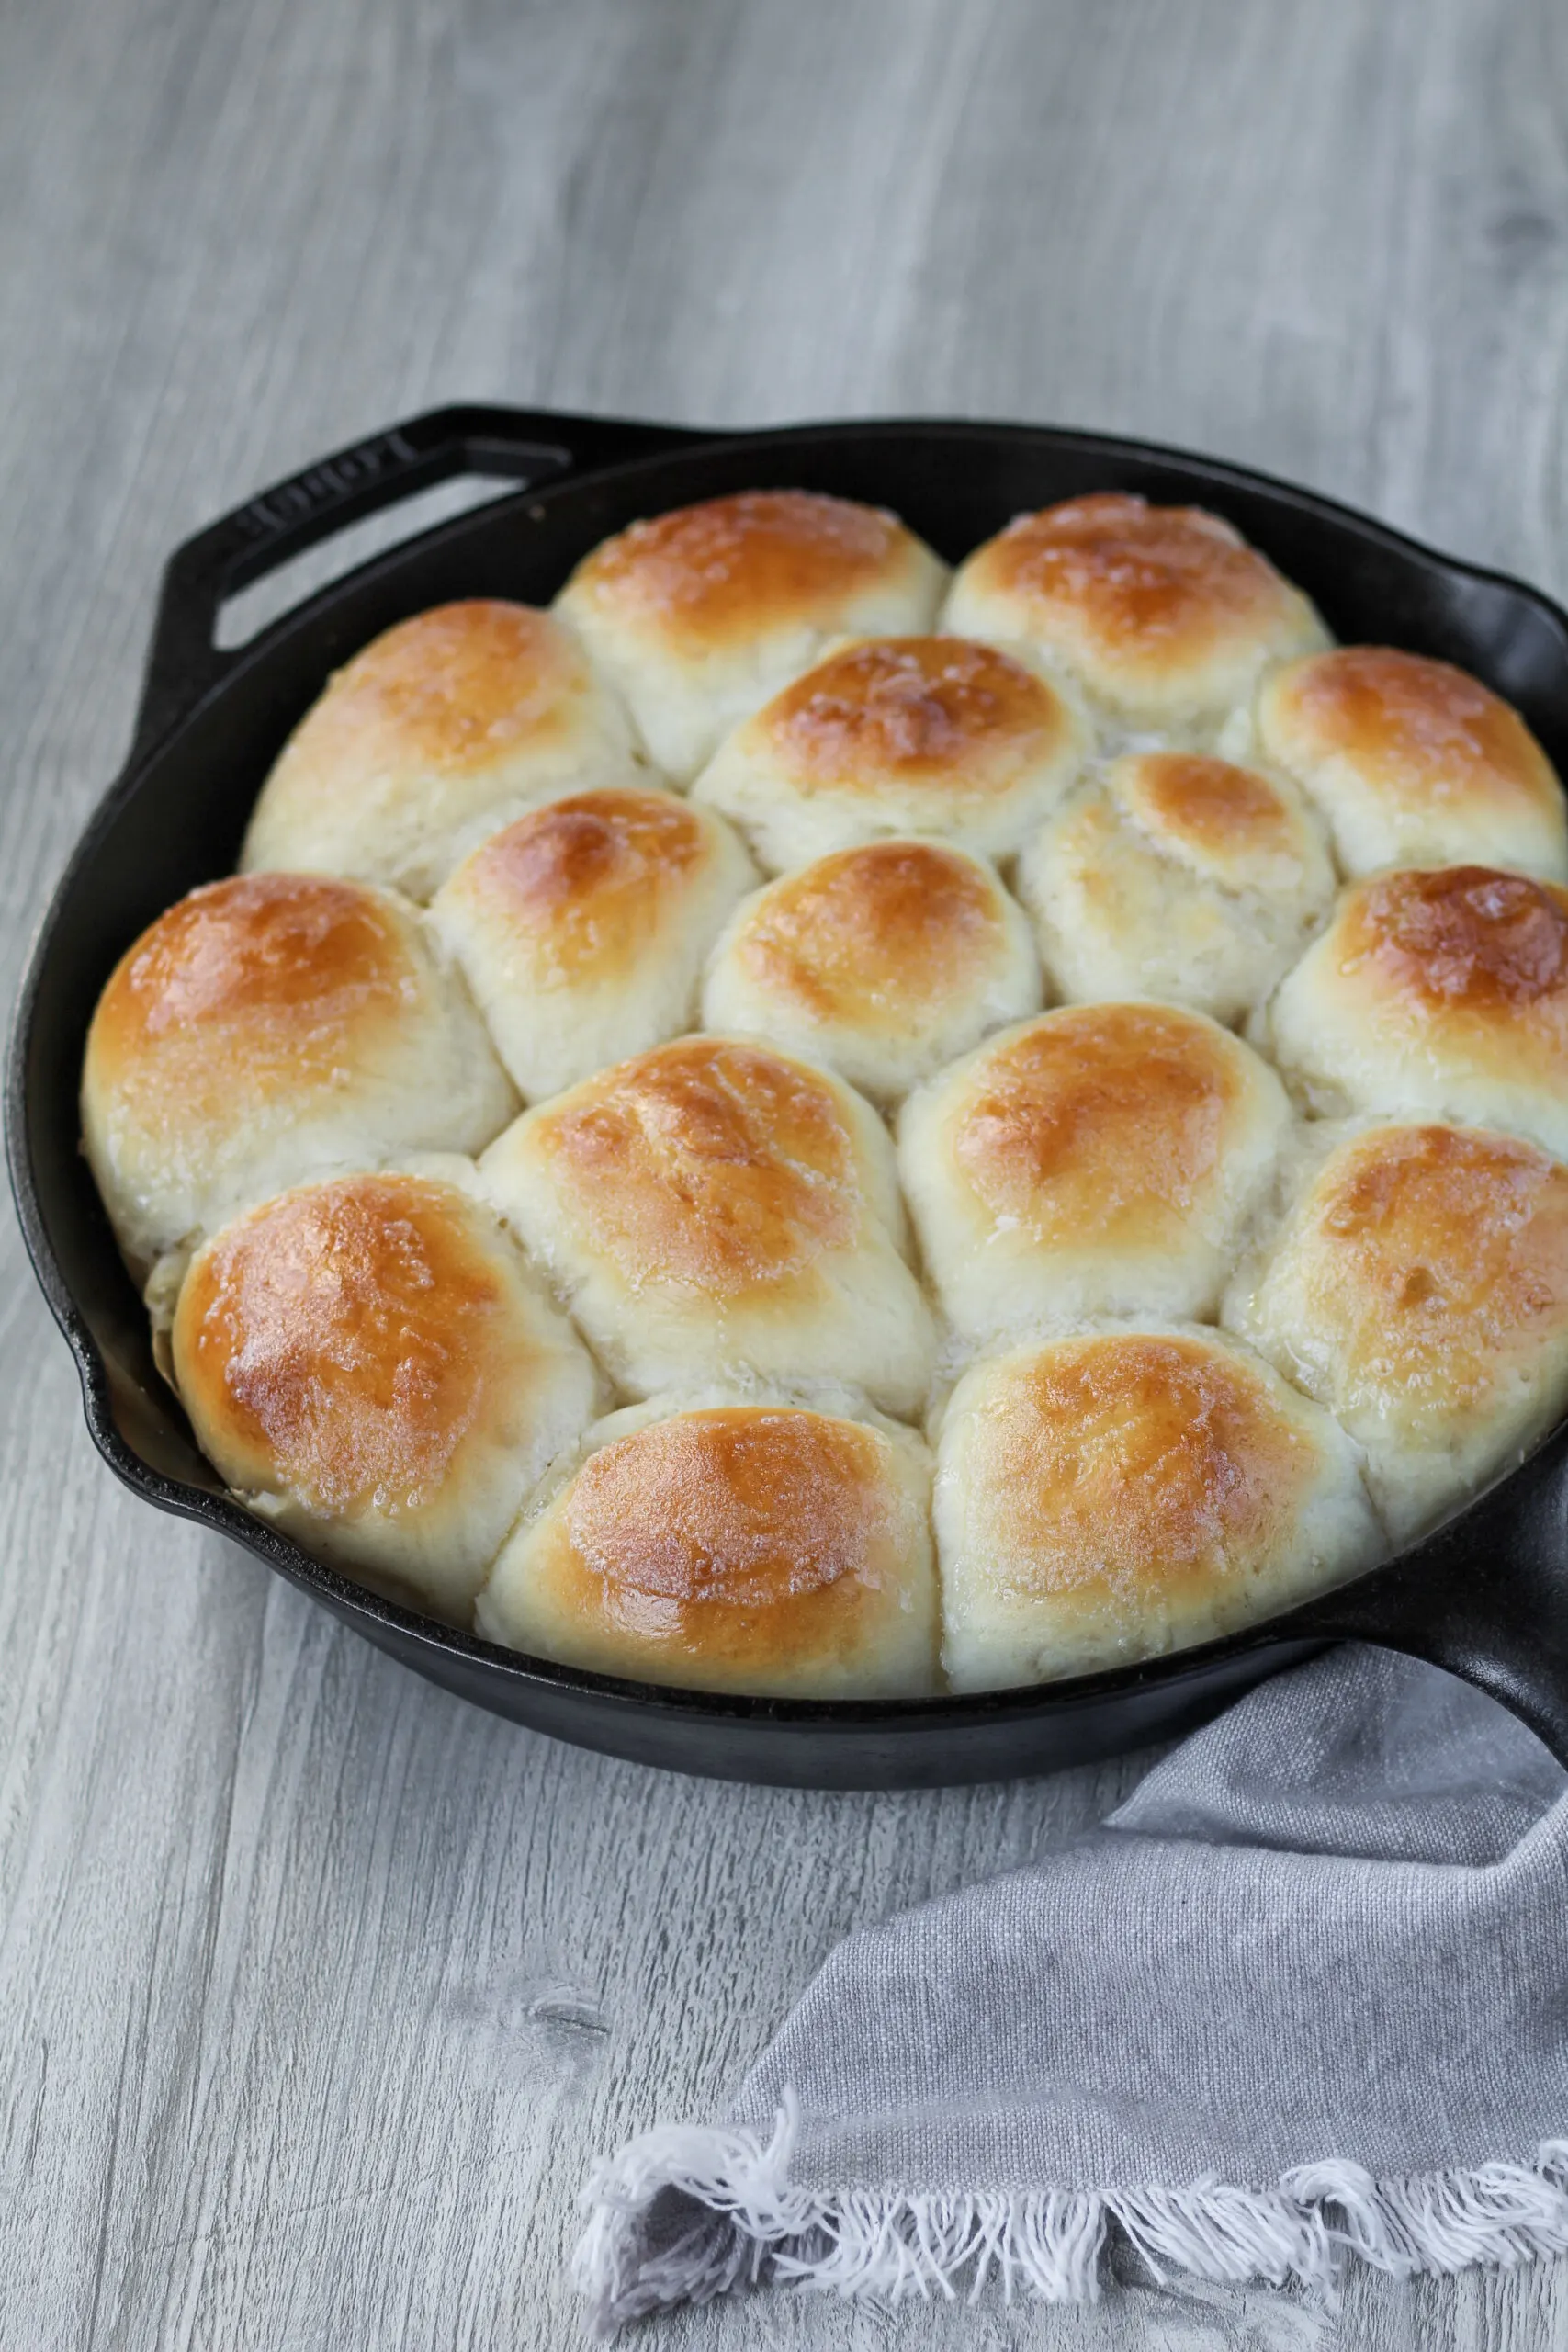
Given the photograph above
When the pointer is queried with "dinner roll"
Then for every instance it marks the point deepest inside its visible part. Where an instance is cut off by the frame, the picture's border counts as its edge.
(1180, 877)
(1163, 615)
(712, 1208)
(1441, 993)
(267, 1028)
(898, 735)
(368, 1363)
(1414, 763)
(1419, 1289)
(1101, 1159)
(741, 1546)
(700, 614)
(433, 736)
(883, 962)
(1116, 1494)
(582, 928)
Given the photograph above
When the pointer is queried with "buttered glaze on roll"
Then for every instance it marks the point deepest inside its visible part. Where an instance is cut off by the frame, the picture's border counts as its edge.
(731, 1545)
(898, 735)
(883, 962)
(1177, 876)
(1115, 1494)
(716, 1208)
(1163, 615)
(266, 1028)
(368, 1364)
(1414, 763)
(1100, 1159)
(1438, 993)
(582, 928)
(1419, 1287)
(434, 734)
(701, 613)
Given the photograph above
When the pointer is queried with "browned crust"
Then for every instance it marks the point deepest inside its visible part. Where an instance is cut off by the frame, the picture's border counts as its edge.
(706, 1163)
(1101, 1124)
(1126, 1465)
(1439, 1256)
(884, 934)
(712, 574)
(1426, 732)
(1146, 588)
(348, 1336)
(590, 877)
(259, 982)
(936, 710)
(452, 690)
(1461, 939)
(1223, 811)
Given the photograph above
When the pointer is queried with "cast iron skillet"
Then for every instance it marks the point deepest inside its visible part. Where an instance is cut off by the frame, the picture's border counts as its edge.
(1486, 1596)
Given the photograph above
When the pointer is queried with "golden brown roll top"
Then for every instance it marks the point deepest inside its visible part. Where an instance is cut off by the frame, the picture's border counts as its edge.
(1441, 993)
(895, 735)
(582, 928)
(1227, 824)
(1177, 876)
(266, 1028)
(735, 1547)
(1414, 763)
(1419, 1288)
(1163, 614)
(701, 613)
(883, 962)
(368, 1363)
(1103, 1158)
(713, 1208)
(433, 736)
(1116, 1494)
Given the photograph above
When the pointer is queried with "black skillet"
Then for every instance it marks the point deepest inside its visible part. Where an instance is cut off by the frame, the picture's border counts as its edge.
(1486, 1596)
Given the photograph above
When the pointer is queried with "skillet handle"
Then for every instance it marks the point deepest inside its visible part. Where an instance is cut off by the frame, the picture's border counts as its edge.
(529, 445)
(1485, 1597)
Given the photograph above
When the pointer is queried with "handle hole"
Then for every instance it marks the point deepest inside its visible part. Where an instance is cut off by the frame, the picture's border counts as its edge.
(250, 610)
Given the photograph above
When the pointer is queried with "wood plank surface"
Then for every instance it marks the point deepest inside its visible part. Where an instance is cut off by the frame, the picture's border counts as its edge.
(318, 1990)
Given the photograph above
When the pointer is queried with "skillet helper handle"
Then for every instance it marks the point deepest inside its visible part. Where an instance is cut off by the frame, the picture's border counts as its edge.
(1485, 1597)
(531, 446)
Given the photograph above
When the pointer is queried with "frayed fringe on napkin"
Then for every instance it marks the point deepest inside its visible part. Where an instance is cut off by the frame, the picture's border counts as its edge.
(687, 2212)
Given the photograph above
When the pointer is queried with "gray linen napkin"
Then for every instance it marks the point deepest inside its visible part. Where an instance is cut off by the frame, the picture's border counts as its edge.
(1303, 1997)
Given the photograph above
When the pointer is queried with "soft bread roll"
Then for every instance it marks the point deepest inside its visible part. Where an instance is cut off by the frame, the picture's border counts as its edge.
(898, 735)
(1118, 1494)
(882, 962)
(1101, 1159)
(368, 1363)
(1419, 1289)
(741, 1546)
(268, 1028)
(433, 736)
(582, 928)
(1441, 993)
(713, 1208)
(700, 614)
(1180, 877)
(1163, 615)
(1414, 763)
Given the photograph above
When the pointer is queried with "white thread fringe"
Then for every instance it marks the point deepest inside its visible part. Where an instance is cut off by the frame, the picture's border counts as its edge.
(687, 2212)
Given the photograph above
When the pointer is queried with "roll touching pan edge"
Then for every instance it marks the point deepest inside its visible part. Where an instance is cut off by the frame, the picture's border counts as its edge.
(1484, 1595)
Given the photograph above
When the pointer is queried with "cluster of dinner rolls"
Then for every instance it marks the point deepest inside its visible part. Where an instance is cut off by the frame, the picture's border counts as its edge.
(801, 1125)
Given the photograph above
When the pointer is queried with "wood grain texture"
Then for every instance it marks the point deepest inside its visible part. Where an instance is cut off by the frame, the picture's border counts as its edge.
(318, 1991)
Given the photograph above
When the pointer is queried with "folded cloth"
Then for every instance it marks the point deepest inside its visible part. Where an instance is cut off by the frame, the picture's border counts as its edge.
(1304, 1996)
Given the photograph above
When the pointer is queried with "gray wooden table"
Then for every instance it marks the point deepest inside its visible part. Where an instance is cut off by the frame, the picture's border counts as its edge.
(318, 1991)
